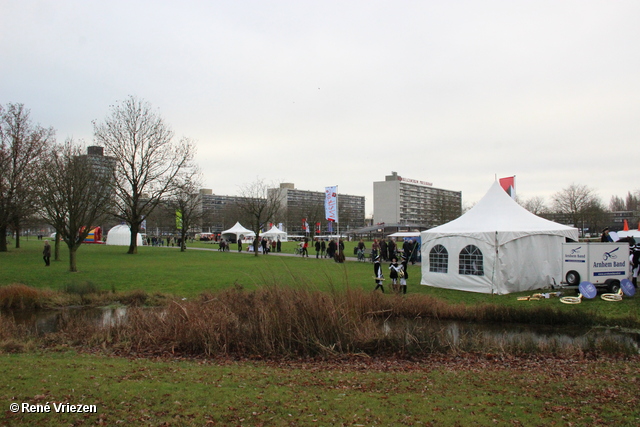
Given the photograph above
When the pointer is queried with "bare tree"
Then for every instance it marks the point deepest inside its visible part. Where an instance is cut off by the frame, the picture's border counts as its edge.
(186, 203)
(147, 160)
(617, 204)
(258, 206)
(23, 146)
(535, 205)
(574, 201)
(75, 196)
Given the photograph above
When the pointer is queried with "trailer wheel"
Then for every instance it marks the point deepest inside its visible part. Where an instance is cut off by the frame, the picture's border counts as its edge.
(613, 285)
(572, 278)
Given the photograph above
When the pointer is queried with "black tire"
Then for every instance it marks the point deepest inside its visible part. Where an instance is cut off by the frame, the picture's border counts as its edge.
(613, 285)
(572, 278)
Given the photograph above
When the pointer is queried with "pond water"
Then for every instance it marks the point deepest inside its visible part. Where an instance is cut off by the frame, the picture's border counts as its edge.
(518, 335)
(48, 321)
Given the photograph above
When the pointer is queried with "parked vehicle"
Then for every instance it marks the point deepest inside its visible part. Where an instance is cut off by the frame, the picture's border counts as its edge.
(603, 264)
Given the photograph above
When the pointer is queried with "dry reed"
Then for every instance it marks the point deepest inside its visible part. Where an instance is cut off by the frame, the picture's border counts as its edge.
(275, 322)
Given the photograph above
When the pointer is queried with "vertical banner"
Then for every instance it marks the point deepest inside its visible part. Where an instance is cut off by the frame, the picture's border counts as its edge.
(330, 227)
(331, 203)
(305, 225)
(318, 228)
(178, 219)
(509, 185)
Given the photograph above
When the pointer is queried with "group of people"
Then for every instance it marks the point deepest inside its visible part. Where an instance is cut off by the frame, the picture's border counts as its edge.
(388, 250)
(160, 241)
(398, 273)
(331, 249)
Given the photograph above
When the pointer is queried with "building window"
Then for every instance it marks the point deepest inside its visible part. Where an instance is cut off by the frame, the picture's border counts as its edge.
(438, 259)
(470, 262)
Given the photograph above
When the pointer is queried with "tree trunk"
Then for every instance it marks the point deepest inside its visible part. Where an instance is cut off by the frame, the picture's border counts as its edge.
(133, 246)
(56, 247)
(72, 258)
(3, 239)
(183, 243)
(17, 237)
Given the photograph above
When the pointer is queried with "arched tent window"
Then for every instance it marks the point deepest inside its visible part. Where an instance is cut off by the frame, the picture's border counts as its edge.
(470, 262)
(438, 259)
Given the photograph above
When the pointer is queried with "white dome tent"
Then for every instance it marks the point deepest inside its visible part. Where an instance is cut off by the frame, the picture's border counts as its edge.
(236, 232)
(496, 247)
(120, 235)
(274, 234)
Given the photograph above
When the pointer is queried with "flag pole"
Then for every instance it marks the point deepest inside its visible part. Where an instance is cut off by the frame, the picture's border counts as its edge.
(337, 222)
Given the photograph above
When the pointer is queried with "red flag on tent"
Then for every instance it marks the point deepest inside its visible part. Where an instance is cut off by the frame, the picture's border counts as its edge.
(509, 185)
(626, 225)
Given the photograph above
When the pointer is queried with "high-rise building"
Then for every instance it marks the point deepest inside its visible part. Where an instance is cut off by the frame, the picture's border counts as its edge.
(218, 212)
(299, 206)
(102, 165)
(398, 200)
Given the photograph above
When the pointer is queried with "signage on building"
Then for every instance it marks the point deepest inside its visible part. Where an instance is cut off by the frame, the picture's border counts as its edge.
(415, 181)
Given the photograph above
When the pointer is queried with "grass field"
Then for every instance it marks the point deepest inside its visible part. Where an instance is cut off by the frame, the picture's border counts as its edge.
(188, 274)
(447, 392)
(435, 389)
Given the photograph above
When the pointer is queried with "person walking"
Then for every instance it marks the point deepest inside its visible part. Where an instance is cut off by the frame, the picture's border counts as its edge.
(375, 249)
(377, 274)
(46, 254)
(323, 249)
(394, 274)
(317, 245)
(404, 274)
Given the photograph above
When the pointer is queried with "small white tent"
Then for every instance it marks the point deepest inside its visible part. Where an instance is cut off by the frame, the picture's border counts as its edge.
(496, 247)
(274, 233)
(236, 232)
(120, 235)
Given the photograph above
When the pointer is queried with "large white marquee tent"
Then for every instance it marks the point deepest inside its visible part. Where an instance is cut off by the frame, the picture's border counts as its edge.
(496, 247)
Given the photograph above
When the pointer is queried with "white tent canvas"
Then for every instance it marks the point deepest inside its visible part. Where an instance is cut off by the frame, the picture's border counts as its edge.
(236, 232)
(631, 233)
(275, 233)
(120, 235)
(496, 247)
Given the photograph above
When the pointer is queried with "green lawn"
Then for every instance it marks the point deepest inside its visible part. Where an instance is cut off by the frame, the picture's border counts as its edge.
(187, 274)
(449, 392)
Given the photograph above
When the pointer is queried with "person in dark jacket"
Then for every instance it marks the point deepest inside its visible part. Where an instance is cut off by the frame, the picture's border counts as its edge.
(605, 237)
(383, 250)
(394, 274)
(46, 253)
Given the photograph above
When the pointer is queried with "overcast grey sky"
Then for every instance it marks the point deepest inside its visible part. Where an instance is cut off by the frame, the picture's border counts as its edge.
(323, 93)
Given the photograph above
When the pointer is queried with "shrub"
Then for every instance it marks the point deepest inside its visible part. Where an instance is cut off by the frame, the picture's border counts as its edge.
(19, 296)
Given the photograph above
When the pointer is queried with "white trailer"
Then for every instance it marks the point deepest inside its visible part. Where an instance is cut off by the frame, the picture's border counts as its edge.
(603, 264)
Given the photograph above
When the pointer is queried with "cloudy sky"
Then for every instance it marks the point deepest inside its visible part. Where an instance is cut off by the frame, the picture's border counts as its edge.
(328, 92)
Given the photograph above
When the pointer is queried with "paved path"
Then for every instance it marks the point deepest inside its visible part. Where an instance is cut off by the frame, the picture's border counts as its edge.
(311, 256)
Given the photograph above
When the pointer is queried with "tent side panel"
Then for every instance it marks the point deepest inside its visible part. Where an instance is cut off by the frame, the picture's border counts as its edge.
(530, 263)
(452, 279)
